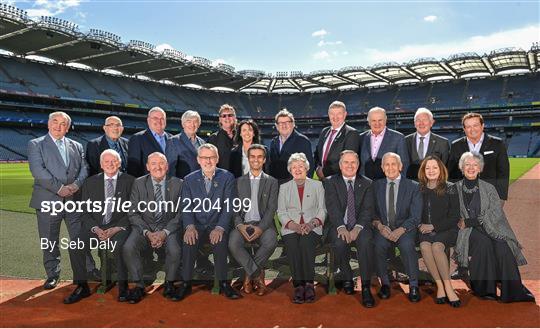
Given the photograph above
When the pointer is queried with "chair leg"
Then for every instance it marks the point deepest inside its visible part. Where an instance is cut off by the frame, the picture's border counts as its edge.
(106, 271)
(330, 272)
(215, 287)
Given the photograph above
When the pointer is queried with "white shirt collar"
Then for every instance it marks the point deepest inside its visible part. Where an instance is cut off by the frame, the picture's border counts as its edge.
(251, 176)
(105, 177)
(63, 139)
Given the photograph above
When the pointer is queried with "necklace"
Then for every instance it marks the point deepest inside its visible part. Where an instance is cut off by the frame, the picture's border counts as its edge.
(470, 190)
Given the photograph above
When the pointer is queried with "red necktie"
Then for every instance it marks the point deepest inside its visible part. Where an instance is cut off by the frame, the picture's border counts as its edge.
(327, 148)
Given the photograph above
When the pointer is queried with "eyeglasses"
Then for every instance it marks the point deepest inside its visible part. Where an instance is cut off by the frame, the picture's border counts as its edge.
(212, 158)
(114, 125)
(284, 123)
(227, 115)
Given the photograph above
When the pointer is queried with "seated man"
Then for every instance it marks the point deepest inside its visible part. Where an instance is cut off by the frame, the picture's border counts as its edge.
(155, 224)
(256, 224)
(398, 211)
(349, 202)
(108, 225)
(207, 204)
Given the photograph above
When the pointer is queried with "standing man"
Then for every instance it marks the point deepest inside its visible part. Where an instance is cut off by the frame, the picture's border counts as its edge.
(148, 141)
(110, 224)
(378, 141)
(424, 143)
(349, 202)
(223, 139)
(257, 224)
(334, 139)
(58, 166)
(112, 139)
(155, 222)
(497, 167)
(182, 148)
(288, 141)
(398, 211)
(207, 200)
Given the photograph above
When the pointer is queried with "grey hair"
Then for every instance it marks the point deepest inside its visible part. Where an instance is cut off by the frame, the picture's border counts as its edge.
(284, 113)
(423, 110)
(60, 113)
(157, 109)
(344, 152)
(376, 109)
(297, 157)
(189, 114)
(156, 154)
(337, 104)
(111, 152)
(391, 155)
(114, 117)
(208, 146)
(467, 155)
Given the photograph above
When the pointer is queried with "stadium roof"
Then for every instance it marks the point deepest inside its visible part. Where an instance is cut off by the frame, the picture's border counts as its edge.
(63, 42)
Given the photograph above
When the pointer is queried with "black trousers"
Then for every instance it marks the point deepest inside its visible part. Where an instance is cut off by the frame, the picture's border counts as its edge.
(301, 256)
(491, 260)
(219, 250)
(342, 252)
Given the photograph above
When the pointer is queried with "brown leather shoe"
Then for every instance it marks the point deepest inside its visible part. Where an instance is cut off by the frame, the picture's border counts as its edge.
(260, 284)
(247, 286)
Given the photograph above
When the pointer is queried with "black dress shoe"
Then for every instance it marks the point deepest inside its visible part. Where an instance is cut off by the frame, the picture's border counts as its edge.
(123, 292)
(136, 295)
(455, 303)
(169, 289)
(226, 289)
(82, 291)
(441, 300)
(298, 297)
(183, 290)
(414, 294)
(309, 293)
(384, 292)
(367, 298)
(348, 287)
(50, 283)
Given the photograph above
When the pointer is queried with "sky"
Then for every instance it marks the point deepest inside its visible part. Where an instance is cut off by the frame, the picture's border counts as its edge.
(283, 36)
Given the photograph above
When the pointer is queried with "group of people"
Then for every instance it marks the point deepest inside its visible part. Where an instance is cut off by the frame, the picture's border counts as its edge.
(376, 190)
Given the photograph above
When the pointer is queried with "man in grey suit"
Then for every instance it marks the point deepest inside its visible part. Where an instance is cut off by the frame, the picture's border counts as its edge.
(155, 220)
(423, 143)
(376, 142)
(257, 224)
(58, 166)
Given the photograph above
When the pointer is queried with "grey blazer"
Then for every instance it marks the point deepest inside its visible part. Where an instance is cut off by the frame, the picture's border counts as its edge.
(267, 199)
(313, 204)
(438, 146)
(143, 190)
(49, 170)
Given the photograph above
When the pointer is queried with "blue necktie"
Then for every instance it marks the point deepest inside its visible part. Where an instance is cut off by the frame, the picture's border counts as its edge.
(62, 150)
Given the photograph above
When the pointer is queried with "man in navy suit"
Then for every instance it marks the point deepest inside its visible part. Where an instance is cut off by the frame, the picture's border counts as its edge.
(398, 211)
(112, 139)
(182, 148)
(207, 207)
(377, 141)
(288, 141)
(148, 141)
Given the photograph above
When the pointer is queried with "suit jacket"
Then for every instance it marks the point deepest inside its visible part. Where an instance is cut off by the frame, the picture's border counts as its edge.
(49, 170)
(290, 207)
(143, 192)
(277, 160)
(182, 155)
(408, 204)
(438, 146)
(346, 139)
(496, 165)
(393, 141)
(140, 146)
(93, 189)
(235, 161)
(266, 199)
(335, 190)
(221, 196)
(224, 144)
(96, 146)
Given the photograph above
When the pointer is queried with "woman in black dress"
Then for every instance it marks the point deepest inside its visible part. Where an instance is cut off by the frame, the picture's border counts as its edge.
(486, 244)
(438, 230)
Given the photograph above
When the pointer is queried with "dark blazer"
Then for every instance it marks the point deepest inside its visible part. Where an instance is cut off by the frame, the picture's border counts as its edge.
(93, 189)
(267, 199)
(222, 194)
(438, 146)
(393, 141)
(224, 144)
(182, 155)
(408, 205)
(335, 190)
(277, 160)
(96, 146)
(235, 161)
(140, 146)
(496, 165)
(346, 139)
(143, 190)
